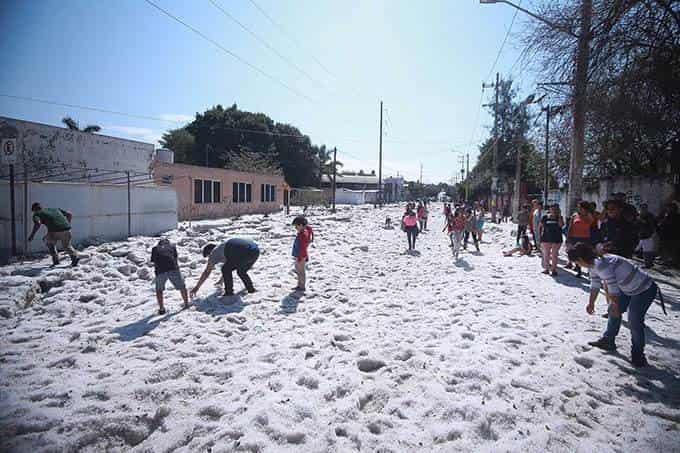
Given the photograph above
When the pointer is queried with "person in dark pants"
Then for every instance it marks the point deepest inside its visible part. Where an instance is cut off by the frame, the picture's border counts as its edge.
(235, 255)
(618, 234)
(627, 288)
(409, 224)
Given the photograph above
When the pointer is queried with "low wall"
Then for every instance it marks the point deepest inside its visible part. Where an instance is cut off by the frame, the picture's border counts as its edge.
(655, 192)
(99, 211)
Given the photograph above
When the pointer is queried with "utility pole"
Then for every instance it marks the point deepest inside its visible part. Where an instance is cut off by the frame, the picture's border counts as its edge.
(380, 197)
(518, 176)
(579, 107)
(467, 185)
(335, 156)
(494, 182)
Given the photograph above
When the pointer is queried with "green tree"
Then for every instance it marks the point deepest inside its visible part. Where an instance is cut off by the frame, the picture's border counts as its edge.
(181, 142)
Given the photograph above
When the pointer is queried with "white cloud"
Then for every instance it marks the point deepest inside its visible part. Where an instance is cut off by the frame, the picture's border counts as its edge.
(176, 117)
(134, 133)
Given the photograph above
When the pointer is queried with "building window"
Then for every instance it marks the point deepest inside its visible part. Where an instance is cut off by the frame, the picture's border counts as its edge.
(242, 192)
(267, 193)
(206, 191)
(217, 191)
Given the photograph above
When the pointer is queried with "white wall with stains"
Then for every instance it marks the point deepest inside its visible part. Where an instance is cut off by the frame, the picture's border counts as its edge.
(43, 146)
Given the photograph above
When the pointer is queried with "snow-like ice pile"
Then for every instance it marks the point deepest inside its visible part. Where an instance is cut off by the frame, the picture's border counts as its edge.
(386, 351)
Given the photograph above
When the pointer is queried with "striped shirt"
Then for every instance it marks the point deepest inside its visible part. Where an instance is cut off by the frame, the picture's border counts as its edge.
(620, 276)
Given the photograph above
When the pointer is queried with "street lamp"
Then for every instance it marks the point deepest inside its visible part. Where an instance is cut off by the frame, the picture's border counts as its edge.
(581, 62)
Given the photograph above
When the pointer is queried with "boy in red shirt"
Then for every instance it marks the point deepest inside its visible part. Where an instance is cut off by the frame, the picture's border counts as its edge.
(304, 237)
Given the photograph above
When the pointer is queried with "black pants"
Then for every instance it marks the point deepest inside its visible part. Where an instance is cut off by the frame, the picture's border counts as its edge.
(521, 231)
(466, 237)
(241, 269)
(411, 235)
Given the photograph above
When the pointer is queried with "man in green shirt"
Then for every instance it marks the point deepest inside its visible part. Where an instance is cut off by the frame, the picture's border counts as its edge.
(58, 223)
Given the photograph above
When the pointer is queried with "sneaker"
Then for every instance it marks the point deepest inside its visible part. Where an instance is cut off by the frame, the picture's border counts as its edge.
(604, 344)
(605, 315)
(161, 311)
(74, 261)
(639, 361)
(546, 272)
(251, 290)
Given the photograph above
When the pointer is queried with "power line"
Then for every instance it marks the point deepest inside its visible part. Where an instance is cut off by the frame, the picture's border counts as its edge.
(498, 55)
(299, 44)
(264, 43)
(169, 121)
(232, 54)
(143, 117)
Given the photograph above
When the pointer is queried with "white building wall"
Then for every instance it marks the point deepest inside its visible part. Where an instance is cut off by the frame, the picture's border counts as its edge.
(99, 210)
(652, 191)
(43, 146)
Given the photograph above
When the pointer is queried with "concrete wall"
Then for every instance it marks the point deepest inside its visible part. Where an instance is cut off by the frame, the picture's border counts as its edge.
(99, 210)
(653, 191)
(45, 146)
(181, 177)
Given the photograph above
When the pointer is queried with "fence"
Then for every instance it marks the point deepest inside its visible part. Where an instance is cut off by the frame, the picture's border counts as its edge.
(104, 211)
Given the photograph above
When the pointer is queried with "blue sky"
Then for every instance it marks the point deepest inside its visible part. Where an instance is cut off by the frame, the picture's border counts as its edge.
(425, 60)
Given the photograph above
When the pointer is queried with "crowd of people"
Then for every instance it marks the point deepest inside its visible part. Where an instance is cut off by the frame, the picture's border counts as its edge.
(619, 228)
(462, 222)
(603, 242)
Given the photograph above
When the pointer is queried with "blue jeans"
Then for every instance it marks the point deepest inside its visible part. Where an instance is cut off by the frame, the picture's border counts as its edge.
(637, 307)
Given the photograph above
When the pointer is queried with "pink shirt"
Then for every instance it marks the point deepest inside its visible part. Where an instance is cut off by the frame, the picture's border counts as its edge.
(409, 220)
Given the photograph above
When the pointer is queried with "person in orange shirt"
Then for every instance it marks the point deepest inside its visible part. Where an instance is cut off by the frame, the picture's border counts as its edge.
(579, 230)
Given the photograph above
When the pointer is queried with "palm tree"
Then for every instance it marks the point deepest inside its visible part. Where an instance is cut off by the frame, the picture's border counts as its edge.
(326, 162)
(73, 125)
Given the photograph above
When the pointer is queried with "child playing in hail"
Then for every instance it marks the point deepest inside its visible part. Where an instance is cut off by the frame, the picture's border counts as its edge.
(455, 226)
(304, 237)
(164, 259)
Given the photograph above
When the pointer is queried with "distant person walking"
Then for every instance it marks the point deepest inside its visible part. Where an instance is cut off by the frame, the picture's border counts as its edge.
(470, 229)
(627, 288)
(455, 227)
(522, 222)
(235, 255)
(164, 259)
(422, 216)
(58, 223)
(409, 224)
(480, 224)
(302, 240)
(536, 217)
(550, 230)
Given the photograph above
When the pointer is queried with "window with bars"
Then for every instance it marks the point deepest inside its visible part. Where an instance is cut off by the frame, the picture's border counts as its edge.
(267, 193)
(206, 191)
(242, 192)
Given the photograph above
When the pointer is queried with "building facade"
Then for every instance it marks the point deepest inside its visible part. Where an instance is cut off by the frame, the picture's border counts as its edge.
(43, 147)
(205, 192)
(393, 187)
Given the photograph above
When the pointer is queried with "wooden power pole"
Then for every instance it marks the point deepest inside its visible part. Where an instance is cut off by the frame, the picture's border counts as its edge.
(380, 195)
(335, 167)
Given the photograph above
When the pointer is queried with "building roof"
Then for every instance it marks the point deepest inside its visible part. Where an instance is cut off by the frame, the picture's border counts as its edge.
(348, 179)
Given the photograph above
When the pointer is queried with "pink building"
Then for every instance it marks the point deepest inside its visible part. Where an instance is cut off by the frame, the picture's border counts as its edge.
(205, 192)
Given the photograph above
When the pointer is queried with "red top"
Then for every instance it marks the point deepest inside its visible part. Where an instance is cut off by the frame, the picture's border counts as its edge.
(304, 237)
(580, 226)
